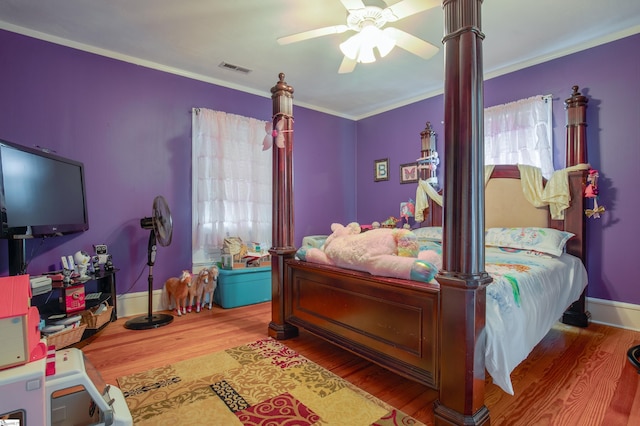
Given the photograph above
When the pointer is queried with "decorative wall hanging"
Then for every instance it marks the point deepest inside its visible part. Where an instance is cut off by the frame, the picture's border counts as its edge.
(381, 170)
(409, 173)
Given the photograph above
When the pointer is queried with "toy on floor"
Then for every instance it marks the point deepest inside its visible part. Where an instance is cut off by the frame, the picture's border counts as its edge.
(195, 291)
(208, 287)
(204, 283)
(177, 288)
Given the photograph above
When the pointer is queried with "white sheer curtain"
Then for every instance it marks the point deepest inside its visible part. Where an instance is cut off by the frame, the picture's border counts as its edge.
(520, 132)
(231, 185)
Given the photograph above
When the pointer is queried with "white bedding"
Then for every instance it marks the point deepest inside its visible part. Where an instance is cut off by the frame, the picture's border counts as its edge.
(513, 329)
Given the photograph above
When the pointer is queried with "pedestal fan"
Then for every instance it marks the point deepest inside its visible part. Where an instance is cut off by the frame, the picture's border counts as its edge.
(161, 230)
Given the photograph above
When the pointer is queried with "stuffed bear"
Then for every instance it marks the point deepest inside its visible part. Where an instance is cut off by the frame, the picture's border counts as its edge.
(388, 252)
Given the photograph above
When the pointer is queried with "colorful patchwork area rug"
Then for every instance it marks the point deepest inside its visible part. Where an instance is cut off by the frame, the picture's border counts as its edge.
(260, 383)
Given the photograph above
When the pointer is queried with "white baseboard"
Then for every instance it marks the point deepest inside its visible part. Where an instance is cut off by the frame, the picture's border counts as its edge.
(132, 304)
(615, 314)
(607, 312)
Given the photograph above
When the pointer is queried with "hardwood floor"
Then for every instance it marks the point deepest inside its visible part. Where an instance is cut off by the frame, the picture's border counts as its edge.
(573, 377)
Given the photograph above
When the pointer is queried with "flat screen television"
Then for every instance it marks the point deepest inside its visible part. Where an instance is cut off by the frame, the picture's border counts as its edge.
(41, 194)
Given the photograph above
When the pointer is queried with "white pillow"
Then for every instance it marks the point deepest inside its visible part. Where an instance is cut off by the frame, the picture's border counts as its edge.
(429, 233)
(545, 240)
(502, 250)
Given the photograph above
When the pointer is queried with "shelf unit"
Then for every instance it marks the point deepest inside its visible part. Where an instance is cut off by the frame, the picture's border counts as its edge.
(103, 282)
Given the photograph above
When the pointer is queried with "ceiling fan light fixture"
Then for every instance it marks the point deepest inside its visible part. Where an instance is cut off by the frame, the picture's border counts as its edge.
(359, 47)
(366, 55)
(351, 47)
(385, 44)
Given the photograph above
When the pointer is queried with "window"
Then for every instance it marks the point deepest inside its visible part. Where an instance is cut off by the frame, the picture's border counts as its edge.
(520, 133)
(231, 183)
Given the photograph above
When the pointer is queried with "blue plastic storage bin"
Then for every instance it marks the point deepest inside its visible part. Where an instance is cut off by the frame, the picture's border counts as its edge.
(244, 286)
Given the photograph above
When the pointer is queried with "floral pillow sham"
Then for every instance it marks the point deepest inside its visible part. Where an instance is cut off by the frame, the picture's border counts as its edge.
(543, 240)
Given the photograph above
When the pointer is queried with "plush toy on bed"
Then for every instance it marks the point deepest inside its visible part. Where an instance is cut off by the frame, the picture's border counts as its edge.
(386, 252)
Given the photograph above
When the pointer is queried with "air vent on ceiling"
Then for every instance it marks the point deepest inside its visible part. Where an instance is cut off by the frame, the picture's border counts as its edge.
(236, 68)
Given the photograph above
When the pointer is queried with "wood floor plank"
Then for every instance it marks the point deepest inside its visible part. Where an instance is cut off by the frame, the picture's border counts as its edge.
(574, 376)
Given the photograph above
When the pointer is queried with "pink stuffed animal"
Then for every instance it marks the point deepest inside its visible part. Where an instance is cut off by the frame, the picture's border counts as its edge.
(388, 252)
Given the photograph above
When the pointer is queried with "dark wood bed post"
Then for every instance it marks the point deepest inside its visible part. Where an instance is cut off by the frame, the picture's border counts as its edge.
(576, 107)
(282, 210)
(463, 279)
(576, 146)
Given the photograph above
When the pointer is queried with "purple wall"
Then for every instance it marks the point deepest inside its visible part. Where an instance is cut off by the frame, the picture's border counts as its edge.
(394, 135)
(131, 126)
(610, 76)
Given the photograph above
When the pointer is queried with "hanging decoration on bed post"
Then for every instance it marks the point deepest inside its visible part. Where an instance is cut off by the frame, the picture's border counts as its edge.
(275, 134)
(591, 191)
(282, 208)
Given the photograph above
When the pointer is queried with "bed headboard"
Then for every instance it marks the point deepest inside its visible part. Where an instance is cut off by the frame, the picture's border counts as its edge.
(506, 205)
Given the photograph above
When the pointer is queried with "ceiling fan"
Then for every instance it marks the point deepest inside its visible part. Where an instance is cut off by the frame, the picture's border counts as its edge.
(369, 24)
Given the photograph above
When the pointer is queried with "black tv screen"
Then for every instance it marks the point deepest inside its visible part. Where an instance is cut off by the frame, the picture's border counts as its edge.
(42, 194)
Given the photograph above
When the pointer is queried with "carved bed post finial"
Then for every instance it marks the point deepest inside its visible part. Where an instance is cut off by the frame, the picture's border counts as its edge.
(463, 279)
(576, 106)
(282, 209)
(427, 149)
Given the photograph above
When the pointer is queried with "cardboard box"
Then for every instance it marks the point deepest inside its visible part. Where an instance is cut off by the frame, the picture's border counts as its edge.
(250, 261)
(243, 286)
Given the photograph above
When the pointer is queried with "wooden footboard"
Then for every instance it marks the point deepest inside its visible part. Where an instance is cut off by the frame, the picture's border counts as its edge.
(391, 322)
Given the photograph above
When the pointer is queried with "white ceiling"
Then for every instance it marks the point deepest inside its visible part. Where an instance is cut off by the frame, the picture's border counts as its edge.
(192, 37)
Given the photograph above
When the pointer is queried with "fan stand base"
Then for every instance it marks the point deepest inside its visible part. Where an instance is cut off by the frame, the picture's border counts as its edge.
(147, 322)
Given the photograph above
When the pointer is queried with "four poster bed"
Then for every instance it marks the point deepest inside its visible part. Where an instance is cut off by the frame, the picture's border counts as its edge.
(435, 333)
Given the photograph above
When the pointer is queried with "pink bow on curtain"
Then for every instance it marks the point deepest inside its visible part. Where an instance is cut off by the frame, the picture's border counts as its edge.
(277, 134)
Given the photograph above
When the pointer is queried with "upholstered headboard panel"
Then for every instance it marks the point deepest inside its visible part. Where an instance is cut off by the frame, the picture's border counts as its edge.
(506, 206)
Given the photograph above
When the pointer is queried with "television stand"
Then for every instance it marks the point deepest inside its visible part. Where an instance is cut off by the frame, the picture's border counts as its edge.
(102, 282)
(17, 256)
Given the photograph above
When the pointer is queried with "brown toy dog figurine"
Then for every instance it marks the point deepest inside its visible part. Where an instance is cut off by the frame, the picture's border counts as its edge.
(195, 291)
(209, 286)
(177, 288)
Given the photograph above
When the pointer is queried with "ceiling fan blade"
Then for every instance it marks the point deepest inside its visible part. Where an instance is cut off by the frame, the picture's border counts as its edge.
(411, 7)
(411, 43)
(347, 65)
(352, 4)
(319, 32)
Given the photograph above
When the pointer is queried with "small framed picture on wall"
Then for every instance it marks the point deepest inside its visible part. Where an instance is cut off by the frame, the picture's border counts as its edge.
(381, 170)
(409, 173)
